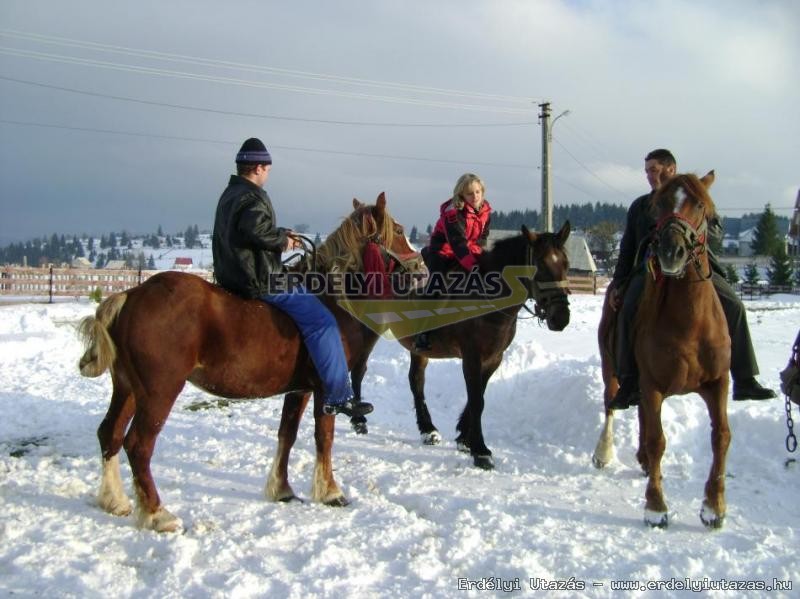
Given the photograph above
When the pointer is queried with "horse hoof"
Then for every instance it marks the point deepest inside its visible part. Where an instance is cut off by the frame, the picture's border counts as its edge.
(484, 462)
(160, 521)
(656, 519)
(431, 438)
(291, 499)
(710, 518)
(117, 506)
(340, 501)
(360, 428)
(462, 446)
(598, 463)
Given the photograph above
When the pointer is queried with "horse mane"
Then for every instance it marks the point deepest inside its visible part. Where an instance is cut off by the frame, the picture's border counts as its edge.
(342, 250)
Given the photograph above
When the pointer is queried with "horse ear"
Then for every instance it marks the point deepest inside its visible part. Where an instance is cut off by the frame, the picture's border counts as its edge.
(708, 179)
(563, 234)
(357, 204)
(381, 201)
(531, 235)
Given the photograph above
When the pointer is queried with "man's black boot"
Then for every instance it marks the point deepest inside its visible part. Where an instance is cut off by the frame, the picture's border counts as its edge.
(349, 408)
(750, 388)
(627, 395)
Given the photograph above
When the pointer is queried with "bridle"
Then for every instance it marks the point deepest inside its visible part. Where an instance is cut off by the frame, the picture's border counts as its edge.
(544, 293)
(694, 240)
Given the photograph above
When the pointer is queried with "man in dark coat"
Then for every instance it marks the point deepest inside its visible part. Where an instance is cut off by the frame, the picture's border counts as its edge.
(627, 284)
(247, 246)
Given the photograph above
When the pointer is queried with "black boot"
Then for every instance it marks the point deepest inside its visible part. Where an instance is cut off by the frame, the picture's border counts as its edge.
(628, 394)
(750, 388)
(422, 341)
(349, 408)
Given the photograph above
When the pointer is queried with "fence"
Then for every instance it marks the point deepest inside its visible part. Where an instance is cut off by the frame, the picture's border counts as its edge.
(71, 282)
(49, 283)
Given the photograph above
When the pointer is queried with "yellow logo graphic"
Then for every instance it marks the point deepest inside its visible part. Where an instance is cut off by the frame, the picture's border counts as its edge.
(398, 318)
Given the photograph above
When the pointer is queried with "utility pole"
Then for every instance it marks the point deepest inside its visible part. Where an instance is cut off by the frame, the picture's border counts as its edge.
(546, 218)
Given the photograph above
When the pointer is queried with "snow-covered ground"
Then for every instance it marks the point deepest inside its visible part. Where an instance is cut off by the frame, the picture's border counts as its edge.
(423, 521)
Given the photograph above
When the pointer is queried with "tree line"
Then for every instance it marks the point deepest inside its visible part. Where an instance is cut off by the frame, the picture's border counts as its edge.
(602, 224)
(59, 249)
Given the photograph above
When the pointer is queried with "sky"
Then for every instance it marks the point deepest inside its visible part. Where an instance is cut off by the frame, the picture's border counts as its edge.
(118, 116)
(423, 521)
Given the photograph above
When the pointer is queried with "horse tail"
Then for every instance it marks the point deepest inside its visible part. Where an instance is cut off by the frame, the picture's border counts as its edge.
(100, 350)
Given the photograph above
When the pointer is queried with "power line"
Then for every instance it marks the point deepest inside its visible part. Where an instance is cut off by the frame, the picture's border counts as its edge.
(248, 83)
(590, 171)
(255, 115)
(200, 61)
(290, 148)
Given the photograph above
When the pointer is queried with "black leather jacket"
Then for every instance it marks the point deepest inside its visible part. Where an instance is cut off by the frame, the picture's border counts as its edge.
(246, 243)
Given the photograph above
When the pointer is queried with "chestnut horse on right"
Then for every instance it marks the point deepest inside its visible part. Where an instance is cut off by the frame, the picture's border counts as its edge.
(681, 342)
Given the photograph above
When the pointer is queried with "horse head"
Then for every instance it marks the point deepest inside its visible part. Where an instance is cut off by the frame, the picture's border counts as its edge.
(379, 226)
(549, 287)
(344, 249)
(683, 210)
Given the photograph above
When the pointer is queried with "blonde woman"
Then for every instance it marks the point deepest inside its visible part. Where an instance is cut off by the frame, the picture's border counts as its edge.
(460, 234)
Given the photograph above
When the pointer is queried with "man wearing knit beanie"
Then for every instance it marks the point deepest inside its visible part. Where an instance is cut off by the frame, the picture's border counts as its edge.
(247, 246)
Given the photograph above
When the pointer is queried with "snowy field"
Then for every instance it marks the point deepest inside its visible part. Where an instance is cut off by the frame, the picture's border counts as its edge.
(423, 521)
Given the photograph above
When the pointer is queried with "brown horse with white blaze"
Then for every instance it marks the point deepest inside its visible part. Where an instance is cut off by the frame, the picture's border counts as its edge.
(681, 342)
(176, 327)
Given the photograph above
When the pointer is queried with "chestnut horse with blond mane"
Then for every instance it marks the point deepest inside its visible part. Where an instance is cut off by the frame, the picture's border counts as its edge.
(176, 327)
(681, 343)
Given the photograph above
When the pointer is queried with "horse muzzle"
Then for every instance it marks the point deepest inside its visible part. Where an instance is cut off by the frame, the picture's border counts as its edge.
(556, 313)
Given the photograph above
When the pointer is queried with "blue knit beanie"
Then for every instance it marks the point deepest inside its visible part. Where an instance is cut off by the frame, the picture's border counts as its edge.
(253, 152)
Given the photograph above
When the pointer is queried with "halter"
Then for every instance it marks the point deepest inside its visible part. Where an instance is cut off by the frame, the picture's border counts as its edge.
(694, 239)
(543, 292)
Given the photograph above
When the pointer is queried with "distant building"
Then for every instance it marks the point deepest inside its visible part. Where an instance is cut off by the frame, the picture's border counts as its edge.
(793, 236)
(115, 265)
(80, 263)
(576, 248)
(183, 263)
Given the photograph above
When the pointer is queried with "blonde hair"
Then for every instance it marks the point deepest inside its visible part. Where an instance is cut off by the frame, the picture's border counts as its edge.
(464, 181)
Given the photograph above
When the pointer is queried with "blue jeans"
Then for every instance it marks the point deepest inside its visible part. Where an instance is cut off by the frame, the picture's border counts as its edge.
(321, 336)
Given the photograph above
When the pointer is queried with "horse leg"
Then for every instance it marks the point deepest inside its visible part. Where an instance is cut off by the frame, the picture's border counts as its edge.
(150, 414)
(604, 450)
(110, 433)
(357, 372)
(416, 380)
(277, 487)
(655, 513)
(641, 452)
(712, 513)
(476, 379)
(324, 488)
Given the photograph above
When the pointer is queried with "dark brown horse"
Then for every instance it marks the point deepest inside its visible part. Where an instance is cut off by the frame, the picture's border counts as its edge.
(177, 327)
(682, 343)
(481, 341)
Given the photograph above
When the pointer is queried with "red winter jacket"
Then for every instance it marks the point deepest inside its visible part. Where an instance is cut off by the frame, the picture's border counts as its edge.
(461, 234)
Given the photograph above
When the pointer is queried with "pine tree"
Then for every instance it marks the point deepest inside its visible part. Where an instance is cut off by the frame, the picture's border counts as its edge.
(151, 263)
(751, 276)
(766, 238)
(414, 236)
(779, 272)
(731, 275)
